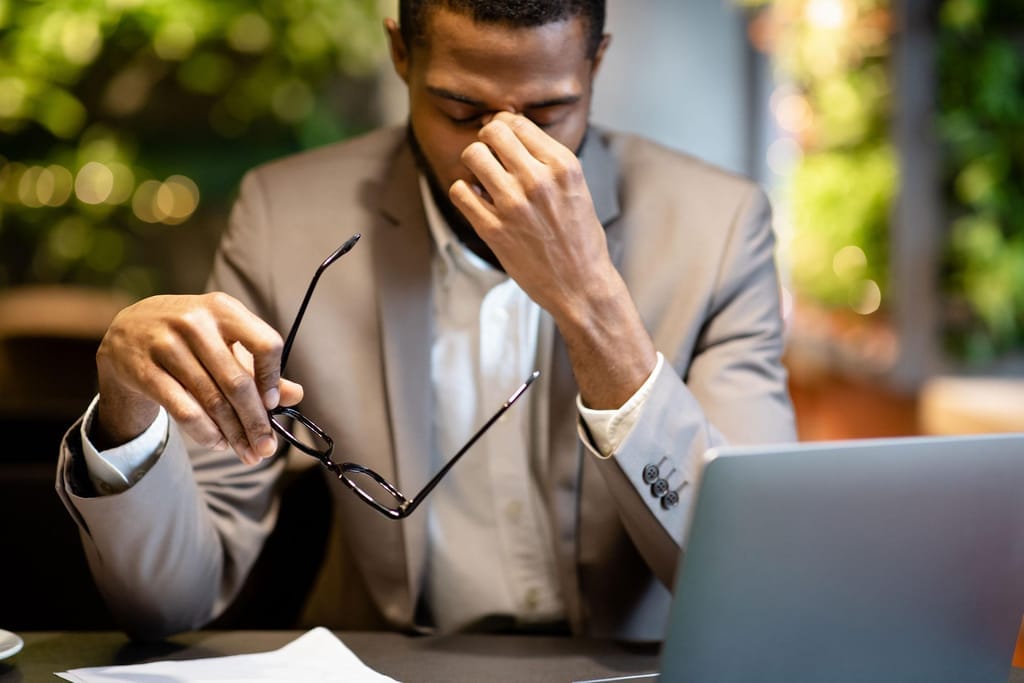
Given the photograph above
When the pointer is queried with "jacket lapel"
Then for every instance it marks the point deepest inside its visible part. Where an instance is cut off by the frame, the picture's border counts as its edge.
(565, 456)
(402, 255)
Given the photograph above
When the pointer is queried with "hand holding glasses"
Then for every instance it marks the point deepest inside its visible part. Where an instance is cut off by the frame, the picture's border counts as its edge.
(376, 491)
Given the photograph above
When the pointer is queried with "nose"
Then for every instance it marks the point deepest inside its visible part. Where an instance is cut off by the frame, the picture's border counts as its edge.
(489, 116)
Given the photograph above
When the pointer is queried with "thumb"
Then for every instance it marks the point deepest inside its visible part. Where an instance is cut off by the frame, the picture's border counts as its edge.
(291, 392)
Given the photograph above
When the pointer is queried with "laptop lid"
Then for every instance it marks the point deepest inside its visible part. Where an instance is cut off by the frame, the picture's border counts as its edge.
(877, 560)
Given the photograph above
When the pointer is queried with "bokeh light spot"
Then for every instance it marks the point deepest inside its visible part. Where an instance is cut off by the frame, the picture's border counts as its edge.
(794, 113)
(171, 202)
(249, 33)
(827, 15)
(53, 187)
(866, 298)
(144, 201)
(292, 100)
(27, 187)
(124, 183)
(70, 239)
(94, 183)
(849, 262)
(174, 41)
(176, 199)
(12, 96)
(80, 39)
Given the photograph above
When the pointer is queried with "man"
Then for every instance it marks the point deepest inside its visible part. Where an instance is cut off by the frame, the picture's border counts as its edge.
(500, 233)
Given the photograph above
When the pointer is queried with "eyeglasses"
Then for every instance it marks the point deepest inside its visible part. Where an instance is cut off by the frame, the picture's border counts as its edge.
(377, 492)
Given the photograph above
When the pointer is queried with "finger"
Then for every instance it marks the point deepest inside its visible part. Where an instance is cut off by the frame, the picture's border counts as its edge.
(478, 211)
(508, 148)
(237, 406)
(483, 164)
(182, 406)
(539, 144)
(211, 400)
(291, 392)
(238, 324)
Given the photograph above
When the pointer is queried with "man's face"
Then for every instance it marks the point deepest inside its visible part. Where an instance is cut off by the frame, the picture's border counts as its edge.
(468, 71)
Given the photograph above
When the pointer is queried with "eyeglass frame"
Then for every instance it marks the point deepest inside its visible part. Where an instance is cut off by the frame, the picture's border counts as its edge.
(405, 506)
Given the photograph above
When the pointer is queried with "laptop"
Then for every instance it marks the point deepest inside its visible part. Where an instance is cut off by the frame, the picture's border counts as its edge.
(882, 560)
(877, 560)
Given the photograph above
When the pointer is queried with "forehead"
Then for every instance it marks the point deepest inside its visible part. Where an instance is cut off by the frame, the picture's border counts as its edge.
(460, 53)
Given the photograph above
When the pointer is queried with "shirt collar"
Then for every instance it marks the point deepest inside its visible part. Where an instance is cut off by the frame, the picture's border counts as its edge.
(452, 252)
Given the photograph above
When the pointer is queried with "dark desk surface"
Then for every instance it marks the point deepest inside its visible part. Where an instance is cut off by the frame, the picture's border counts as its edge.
(441, 658)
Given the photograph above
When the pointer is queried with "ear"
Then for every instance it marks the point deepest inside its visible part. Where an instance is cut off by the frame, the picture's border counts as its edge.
(399, 50)
(606, 40)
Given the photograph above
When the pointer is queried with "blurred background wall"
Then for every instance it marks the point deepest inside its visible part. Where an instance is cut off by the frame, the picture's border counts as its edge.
(889, 134)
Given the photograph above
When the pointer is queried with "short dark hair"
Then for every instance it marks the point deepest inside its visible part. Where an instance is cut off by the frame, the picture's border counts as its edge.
(413, 15)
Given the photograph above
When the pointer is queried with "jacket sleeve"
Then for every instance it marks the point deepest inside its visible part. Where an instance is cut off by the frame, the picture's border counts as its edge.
(171, 552)
(732, 390)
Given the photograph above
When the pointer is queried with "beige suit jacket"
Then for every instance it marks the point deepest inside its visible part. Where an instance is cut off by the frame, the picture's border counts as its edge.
(695, 247)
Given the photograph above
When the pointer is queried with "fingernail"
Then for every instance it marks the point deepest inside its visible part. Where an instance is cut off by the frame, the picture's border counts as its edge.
(271, 398)
(221, 445)
(265, 446)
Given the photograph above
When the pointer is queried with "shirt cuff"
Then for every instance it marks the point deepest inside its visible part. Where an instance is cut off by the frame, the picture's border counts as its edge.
(609, 428)
(117, 469)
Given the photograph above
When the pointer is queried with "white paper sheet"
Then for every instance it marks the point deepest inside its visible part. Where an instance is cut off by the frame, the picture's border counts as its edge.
(315, 657)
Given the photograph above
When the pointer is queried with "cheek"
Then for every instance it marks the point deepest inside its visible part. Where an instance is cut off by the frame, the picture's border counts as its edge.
(571, 131)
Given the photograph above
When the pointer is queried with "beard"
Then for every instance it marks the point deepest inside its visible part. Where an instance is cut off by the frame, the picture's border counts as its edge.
(462, 228)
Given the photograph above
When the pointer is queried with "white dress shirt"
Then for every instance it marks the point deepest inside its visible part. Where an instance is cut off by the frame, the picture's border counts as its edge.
(490, 550)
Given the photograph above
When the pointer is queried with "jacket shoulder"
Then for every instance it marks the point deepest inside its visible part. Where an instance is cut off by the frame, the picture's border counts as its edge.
(336, 163)
(647, 166)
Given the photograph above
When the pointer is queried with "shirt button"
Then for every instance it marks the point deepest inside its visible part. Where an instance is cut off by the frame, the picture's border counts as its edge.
(531, 599)
(514, 511)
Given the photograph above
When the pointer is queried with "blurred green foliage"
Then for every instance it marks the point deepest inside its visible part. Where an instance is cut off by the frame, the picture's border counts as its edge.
(119, 118)
(981, 124)
(834, 107)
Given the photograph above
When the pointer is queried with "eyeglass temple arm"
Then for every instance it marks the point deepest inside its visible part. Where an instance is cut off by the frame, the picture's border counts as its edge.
(338, 253)
(411, 505)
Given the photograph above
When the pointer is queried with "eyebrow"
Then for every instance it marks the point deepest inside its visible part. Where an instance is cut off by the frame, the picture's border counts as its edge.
(458, 97)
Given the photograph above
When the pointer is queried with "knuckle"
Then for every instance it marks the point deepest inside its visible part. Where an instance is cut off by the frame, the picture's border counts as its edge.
(531, 185)
(238, 384)
(193, 317)
(258, 427)
(186, 415)
(215, 403)
(163, 342)
(568, 169)
(269, 344)
(218, 299)
(517, 204)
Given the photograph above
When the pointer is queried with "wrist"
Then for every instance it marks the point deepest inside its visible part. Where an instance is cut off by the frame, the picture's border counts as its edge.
(583, 310)
(610, 349)
(120, 417)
